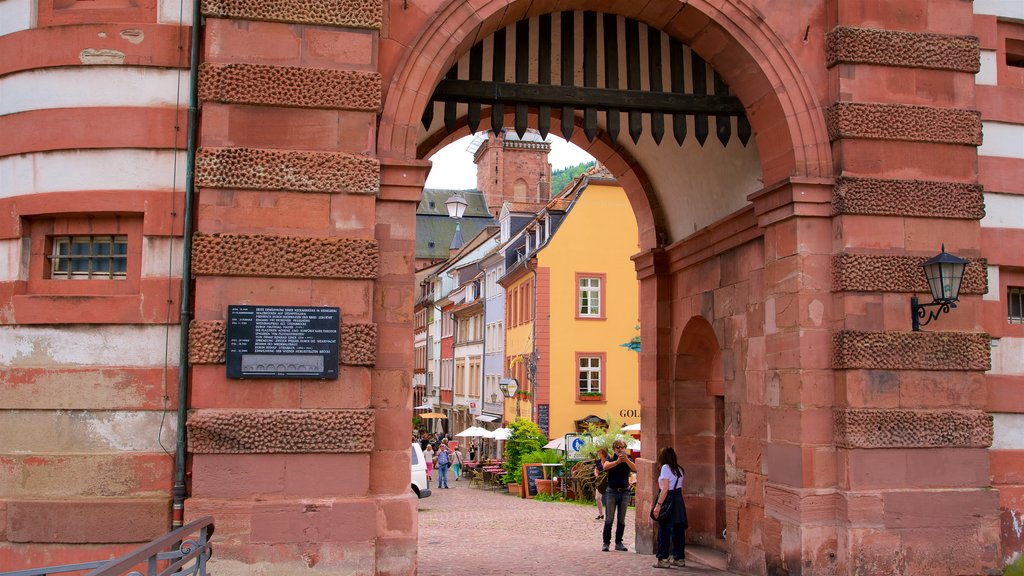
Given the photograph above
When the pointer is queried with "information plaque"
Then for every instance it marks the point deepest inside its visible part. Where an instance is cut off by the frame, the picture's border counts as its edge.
(283, 342)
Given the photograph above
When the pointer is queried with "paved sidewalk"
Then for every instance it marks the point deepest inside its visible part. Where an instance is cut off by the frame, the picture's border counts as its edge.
(474, 531)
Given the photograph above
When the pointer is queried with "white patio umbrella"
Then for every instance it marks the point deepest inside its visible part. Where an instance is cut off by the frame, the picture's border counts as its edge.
(499, 434)
(556, 444)
(473, 432)
(632, 427)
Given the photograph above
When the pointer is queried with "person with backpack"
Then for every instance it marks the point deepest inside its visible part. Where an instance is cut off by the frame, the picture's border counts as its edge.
(456, 460)
(669, 511)
(443, 460)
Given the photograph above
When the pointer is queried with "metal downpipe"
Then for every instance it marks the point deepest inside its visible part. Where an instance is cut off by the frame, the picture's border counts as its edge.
(178, 492)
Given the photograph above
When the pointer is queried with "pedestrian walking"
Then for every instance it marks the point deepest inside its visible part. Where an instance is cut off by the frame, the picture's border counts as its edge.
(616, 495)
(670, 511)
(443, 460)
(600, 482)
(428, 455)
(456, 464)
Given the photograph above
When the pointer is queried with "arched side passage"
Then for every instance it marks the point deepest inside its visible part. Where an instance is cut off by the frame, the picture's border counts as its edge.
(697, 420)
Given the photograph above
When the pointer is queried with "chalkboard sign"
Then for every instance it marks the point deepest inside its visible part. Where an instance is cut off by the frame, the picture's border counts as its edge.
(532, 473)
(282, 342)
(542, 418)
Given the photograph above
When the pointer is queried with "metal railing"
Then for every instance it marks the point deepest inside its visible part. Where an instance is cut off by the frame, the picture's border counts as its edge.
(184, 551)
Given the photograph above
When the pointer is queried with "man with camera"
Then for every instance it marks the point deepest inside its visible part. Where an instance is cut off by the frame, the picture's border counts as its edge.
(618, 467)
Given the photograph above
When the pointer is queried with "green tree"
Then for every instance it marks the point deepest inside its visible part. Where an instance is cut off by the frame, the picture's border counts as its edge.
(525, 437)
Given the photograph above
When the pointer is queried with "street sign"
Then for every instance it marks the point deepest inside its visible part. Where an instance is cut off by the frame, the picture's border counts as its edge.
(576, 443)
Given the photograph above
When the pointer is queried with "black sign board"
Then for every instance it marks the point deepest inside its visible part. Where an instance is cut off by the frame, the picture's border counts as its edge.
(283, 342)
(542, 418)
(532, 473)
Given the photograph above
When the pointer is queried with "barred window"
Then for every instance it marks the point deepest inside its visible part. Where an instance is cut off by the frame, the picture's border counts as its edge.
(89, 258)
(1015, 304)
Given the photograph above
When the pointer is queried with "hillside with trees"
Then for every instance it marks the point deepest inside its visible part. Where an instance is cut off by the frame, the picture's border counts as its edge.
(561, 177)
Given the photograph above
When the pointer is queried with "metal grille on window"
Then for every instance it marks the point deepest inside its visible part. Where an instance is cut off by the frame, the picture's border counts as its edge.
(89, 258)
(590, 375)
(1015, 304)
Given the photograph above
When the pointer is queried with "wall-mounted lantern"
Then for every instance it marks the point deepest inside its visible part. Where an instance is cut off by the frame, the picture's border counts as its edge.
(944, 273)
(509, 387)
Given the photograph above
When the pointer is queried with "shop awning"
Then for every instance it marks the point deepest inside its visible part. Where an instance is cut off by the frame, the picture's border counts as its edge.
(487, 417)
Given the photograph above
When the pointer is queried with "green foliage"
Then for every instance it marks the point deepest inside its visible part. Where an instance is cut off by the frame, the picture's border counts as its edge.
(543, 456)
(1015, 569)
(559, 178)
(525, 437)
(602, 437)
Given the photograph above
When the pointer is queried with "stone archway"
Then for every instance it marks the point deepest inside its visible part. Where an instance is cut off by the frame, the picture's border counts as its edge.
(723, 256)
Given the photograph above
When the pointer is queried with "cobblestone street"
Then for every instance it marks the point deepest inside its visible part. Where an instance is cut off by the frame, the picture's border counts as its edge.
(474, 531)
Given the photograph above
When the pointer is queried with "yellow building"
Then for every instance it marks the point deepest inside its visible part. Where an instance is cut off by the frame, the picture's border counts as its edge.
(571, 301)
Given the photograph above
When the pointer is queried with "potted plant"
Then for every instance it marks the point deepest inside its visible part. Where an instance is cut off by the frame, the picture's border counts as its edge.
(591, 396)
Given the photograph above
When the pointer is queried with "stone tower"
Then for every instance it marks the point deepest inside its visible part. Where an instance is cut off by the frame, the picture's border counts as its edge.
(512, 169)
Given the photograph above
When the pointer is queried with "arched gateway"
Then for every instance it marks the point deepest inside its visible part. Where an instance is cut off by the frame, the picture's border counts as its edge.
(766, 169)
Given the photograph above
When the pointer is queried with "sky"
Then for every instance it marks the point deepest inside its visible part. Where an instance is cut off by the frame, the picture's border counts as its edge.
(453, 167)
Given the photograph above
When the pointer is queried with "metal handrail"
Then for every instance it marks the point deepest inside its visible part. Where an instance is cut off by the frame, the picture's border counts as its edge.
(189, 556)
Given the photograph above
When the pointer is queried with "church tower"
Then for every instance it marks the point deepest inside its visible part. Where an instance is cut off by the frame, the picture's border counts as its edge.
(512, 169)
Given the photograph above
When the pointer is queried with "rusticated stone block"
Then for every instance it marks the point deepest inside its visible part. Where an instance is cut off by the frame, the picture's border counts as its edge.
(909, 49)
(343, 13)
(206, 343)
(284, 256)
(359, 344)
(299, 171)
(903, 122)
(926, 198)
(893, 428)
(881, 273)
(910, 351)
(290, 86)
(280, 431)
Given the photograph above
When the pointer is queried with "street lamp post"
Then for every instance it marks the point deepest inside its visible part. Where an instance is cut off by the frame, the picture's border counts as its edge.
(456, 206)
(509, 387)
(944, 273)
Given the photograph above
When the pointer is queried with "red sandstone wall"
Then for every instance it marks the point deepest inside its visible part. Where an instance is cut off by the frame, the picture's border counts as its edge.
(88, 376)
(999, 93)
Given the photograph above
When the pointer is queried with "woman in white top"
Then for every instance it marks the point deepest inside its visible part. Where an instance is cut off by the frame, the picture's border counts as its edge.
(672, 523)
(428, 455)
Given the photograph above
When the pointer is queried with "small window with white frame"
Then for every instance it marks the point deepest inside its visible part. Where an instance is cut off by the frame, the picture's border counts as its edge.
(589, 375)
(89, 257)
(590, 297)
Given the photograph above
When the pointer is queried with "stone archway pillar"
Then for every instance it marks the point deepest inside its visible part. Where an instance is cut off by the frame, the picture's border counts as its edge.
(790, 400)
(656, 357)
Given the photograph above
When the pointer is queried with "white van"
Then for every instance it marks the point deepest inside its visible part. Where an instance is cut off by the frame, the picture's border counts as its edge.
(420, 486)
